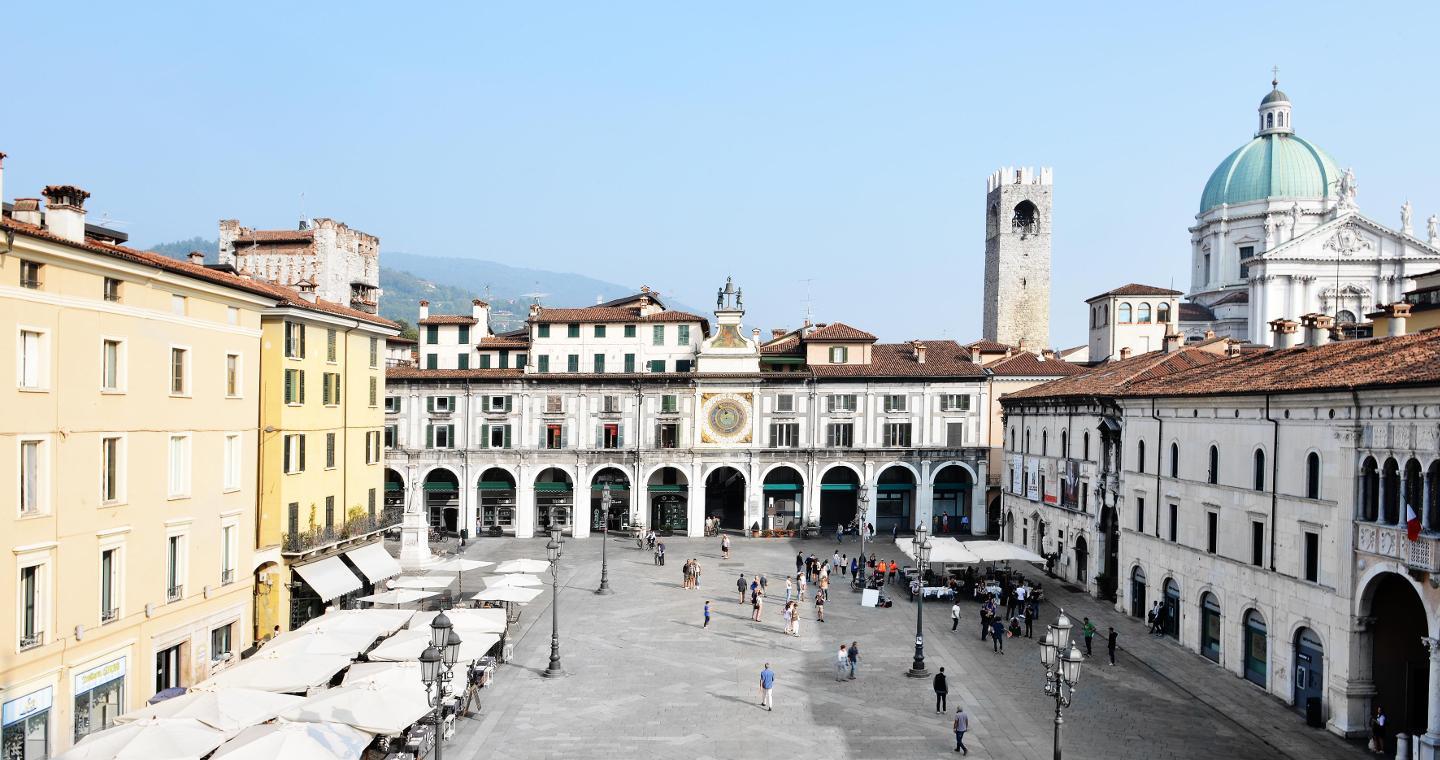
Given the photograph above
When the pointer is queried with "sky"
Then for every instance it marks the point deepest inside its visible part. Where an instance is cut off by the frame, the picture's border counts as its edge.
(828, 156)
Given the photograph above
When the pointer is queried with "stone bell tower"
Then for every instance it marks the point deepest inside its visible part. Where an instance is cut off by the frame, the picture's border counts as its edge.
(1017, 257)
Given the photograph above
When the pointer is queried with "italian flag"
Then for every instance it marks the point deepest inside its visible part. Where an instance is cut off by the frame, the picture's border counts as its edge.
(1412, 523)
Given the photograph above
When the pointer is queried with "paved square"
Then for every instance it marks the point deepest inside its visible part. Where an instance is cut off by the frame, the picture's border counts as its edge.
(646, 681)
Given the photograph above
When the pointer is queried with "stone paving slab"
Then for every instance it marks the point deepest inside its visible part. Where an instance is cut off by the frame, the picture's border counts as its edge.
(646, 681)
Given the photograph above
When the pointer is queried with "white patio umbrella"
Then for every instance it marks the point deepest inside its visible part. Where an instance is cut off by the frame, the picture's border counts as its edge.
(228, 710)
(1002, 551)
(279, 672)
(371, 707)
(402, 673)
(514, 580)
(506, 594)
(397, 596)
(408, 645)
(149, 739)
(459, 565)
(379, 622)
(296, 741)
(423, 581)
(482, 621)
(523, 566)
(323, 641)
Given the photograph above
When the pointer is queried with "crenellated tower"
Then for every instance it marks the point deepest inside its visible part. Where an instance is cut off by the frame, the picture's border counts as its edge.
(1017, 257)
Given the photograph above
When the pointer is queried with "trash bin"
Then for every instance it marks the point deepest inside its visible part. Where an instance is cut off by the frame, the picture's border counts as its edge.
(1313, 717)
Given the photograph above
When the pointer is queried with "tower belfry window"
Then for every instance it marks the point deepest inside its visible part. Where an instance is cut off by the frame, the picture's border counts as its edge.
(1269, 120)
(1025, 218)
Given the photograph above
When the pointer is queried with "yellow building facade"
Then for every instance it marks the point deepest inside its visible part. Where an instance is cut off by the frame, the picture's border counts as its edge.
(130, 389)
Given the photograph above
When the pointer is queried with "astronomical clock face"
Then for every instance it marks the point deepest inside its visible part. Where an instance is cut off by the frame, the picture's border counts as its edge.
(726, 417)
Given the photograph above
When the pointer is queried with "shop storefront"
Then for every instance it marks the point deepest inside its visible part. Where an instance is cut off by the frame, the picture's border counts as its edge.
(668, 507)
(99, 697)
(553, 504)
(497, 504)
(25, 726)
(618, 516)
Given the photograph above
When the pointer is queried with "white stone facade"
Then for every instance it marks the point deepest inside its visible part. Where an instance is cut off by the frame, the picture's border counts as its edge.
(1017, 257)
(1123, 322)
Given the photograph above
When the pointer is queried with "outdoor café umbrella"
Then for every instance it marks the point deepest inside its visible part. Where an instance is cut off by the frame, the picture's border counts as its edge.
(1002, 551)
(323, 641)
(371, 707)
(403, 673)
(280, 672)
(465, 621)
(506, 594)
(296, 741)
(458, 565)
(397, 596)
(422, 581)
(514, 580)
(378, 622)
(523, 566)
(408, 645)
(149, 739)
(228, 710)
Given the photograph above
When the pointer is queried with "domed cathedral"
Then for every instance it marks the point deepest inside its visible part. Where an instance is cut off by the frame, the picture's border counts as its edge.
(1279, 236)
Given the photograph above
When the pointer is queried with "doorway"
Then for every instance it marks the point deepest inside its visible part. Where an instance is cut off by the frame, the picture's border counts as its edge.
(725, 497)
(1082, 562)
(1309, 668)
(1137, 593)
(839, 498)
(167, 668)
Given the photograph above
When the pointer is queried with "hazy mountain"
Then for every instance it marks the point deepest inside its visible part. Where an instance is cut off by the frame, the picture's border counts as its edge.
(182, 248)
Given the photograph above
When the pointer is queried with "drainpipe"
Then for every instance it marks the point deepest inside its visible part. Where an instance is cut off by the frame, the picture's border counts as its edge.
(1160, 446)
(1274, 472)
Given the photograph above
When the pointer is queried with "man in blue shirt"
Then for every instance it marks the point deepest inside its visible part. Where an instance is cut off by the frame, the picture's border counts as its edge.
(767, 686)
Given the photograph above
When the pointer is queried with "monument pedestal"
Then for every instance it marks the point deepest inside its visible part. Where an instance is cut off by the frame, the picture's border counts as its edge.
(415, 542)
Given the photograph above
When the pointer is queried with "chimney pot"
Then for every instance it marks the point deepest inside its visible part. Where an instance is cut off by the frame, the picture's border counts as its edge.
(196, 258)
(477, 311)
(1209, 334)
(974, 355)
(1317, 328)
(1124, 352)
(65, 212)
(26, 210)
(424, 309)
(777, 332)
(1399, 313)
(1284, 332)
(919, 351)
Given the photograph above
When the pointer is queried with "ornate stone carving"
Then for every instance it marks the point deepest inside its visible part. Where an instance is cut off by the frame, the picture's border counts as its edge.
(1405, 212)
(1432, 229)
(1348, 189)
(1365, 539)
(1387, 544)
(1347, 241)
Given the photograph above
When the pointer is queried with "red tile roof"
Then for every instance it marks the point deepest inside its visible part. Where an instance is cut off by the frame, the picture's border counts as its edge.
(989, 346)
(1341, 366)
(448, 319)
(401, 339)
(786, 344)
(943, 359)
(1194, 312)
(1026, 364)
(839, 332)
(283, 296)
(1112, 377)
(614, 314)
(503, 341)
(1238, 296)
(1136, 289)
(276, 236)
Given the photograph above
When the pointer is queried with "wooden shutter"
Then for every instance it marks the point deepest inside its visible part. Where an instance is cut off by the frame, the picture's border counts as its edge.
(289, 386)
(507, 436)
(301, 374)
(562, 436)
(484, 436)
(619, 436)
(429, 436)
(336, 389)
(302, 452)
(451, 405)
(430, 404)
(289, 344)
(599, 436)
(508, 403)
(302, 348)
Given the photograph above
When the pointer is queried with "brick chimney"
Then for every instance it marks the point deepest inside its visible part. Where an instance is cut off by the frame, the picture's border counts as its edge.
(1399, 313)
(918, 349)
(306, 288)
(26, 210)
(1124, 353)
(974, 354)
(1284, 332)
(1317, 328)
(1209, 334)
(197, 258)
(776, 333)
(424, 310)
(65, 212)
(1173, 342)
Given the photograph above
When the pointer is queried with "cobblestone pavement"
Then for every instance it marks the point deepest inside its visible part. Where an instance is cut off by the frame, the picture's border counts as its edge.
(646, 681)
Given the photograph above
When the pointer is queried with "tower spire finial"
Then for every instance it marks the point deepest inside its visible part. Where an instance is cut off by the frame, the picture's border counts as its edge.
(1275, 77)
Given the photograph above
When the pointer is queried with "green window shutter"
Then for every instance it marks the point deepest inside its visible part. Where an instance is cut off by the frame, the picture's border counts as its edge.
(572, 330)
(430, 404)
(484, 436)
(629, 331)
(337, 387)
(507, 436)
(429, 436)
(542, 331)
(432, 361)
(599, 363)
(519, 361)
(484, 361)
(505, 360)
(619, 436)
(464, 334)
(599, 331)
(572, 363)
(302, 346)
(657, 365)
(330, 345)
(289, 386)
(452, 403)
(508, 403)
(463, 361)
(683, 335)
(657, 335)
(302, 452)
(629, 362)
(543, 363)
(301, 381)
(289, 341)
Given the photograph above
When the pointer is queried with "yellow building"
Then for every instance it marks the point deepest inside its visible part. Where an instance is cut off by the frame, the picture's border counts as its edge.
(1419, 309)
(322, 389)
(130, 390)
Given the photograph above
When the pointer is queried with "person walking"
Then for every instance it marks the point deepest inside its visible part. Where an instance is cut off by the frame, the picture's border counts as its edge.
(839, 533)
(660, 552)
(962, 724)
(820, 608)
(987, 616)
(764, 583)
(657, 548)
(842, 663)
(997, 633)
(799, 561)
(755, 606)
(1110, 640)
(789, 590)
(725, 546)
(707, 614)
(785, 615)
(740, 586)
(1032, 611)
(795, 620)
(853, 654)
(800, 582)
(767, 688)
(695, 571)
(685, 574)
(942, 687)
(1377, 731)
(855, 565)
(1089, 630)
(955, 616)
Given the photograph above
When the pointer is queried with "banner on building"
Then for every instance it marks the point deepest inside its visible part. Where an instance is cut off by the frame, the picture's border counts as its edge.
(1050, 470)
(1016, 470)
(1032, 480)
(1070, 484)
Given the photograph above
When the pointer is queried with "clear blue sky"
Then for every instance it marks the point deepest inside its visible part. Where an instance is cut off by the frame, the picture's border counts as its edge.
(671, 144)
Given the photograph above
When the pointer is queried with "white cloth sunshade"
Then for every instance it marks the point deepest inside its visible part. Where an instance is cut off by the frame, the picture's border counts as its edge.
(378, 622)
(423, 581)
(228, 710)
(148, 739)
(329, 578)
(279, 672)
(945, 550)
(296, 741)
(514, 580)
(458, 565)
(523, 566)
(505, 594)
(397, 596)
(407, 645)
(1002, 551)
(371, 707)
(374, 562)
(482, 621)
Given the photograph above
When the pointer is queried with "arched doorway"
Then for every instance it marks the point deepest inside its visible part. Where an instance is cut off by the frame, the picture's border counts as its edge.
(1400, 664)
(725, 497)
(669, 492)
(992, 518)
(895, 500)
(839, 497)
(951, 502)
(1256, 645)
(1110, 552)
(1172, 608)
(554, 500)
(618, 516)
(442, 499)
(784, 491)
(1082, 561)
(1137, 592)
(1209, 627)
(496, 495)
(1309, 668)
(394, 492)
(1010, 526)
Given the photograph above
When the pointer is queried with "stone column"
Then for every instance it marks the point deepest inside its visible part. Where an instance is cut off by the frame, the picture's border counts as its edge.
(694, 504)
(469, 498)
(980, 505)
(1430, 741)
(1257, 313)
(580, 502)
(525, 502)
(924, 498)
(1381, 490)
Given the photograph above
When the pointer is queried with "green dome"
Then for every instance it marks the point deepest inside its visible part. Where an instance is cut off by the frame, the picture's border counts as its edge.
(1270, 166)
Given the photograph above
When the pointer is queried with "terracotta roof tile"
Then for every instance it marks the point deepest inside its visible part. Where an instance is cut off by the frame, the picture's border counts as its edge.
(1026, 364)
(840, 332)
(943, 359)
(503, 341)
(989, 346)
(448, 319)
(787, 344)
(1136, 289)
(276, 236)
(1194, 312)
(402, 340)
(1111, 378)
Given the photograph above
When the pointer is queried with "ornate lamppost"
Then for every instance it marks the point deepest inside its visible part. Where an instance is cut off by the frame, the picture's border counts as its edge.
(553, 549)
(605, 539)
(861, 512)
(437, 667)
(922, 546)
(1062, 659)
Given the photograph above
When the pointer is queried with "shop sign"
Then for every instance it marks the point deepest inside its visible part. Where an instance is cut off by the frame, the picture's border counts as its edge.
(19, 709)
(99, 675)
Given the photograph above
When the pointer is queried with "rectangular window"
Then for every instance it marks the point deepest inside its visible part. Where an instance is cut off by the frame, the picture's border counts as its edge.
(1174, 522)
(179, 466)
(484, 361)
(542, 331)
(443, 436)
(896, 434)
(179, 304)
(232, 462)
(955, 402)
(442, 404)
(112, 289)
(657, 335)
(1257, 543)
(294, 386)
(432, 361)
(895, 403)
(432, 335)
(572, 330)
(229, 550)
(464, 334)
(111, 374)
(232, 375)
(329, 513)
(1312, 556)
(1212, 532)
(572, 363)
(294, 340)
(669, 403)
(179, 372)
(599, 331)
(519, 360)
(499, 436)
(497, 403)
(374, 391)
(630, 363)
(331, 346)
(840, 435)
(1139, 515)
(175, 568)
(111, 472)
(839, 354)
(785, 402)
(554, 404)
(30, 275)
(374, 353)
(682, 335)
(221, 646)
(109, 585)
(610, 436)
(599, 363)
(32, 477)
(462, 361)
(31, 359)
(542, 364)
(841, 402)
(554, 436)
(372, 447)
(657, 365)
(329, 451)
(954, 435)
(784, 435)
(610, 404)
(392, 404)
(31, 613)
(629, 331)
(390, 436)
(667, 435)
(334, 388)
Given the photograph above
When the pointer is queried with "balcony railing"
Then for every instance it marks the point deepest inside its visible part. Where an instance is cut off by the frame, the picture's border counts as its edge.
(1391, 541)
(305, 541)
(110, 615)
(175, 593)
(35, 639)
(227, 577)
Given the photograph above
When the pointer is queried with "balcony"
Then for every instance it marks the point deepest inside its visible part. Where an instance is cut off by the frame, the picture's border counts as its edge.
(110, 615)
(175, 593)
(304, 542)
(227, 577)
(35, 639)
(1391, 541)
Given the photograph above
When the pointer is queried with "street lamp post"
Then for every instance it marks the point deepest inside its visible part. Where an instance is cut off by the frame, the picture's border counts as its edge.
(922, 553)
(605, 539)
(437, 667)
(553, 548)
(861, 513)
(1061, 657)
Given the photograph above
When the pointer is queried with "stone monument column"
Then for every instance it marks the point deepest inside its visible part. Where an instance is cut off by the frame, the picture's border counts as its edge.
(1430, 740)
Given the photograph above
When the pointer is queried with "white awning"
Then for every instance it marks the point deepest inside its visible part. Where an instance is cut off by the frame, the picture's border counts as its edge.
(374, 562)
(329, 578)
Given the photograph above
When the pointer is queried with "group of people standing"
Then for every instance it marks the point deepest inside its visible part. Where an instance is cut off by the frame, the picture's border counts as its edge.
(691, 571)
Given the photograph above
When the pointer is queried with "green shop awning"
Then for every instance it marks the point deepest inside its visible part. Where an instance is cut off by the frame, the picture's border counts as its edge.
(662, 488)
(838, 487)
(614, 487)
(895, 487)
(782, 487)
(495, 485)
(553, 487)
(953, 486)
(441, 487)
(394, 486)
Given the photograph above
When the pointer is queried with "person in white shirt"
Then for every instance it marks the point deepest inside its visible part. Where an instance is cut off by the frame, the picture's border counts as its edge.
(954, 616)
